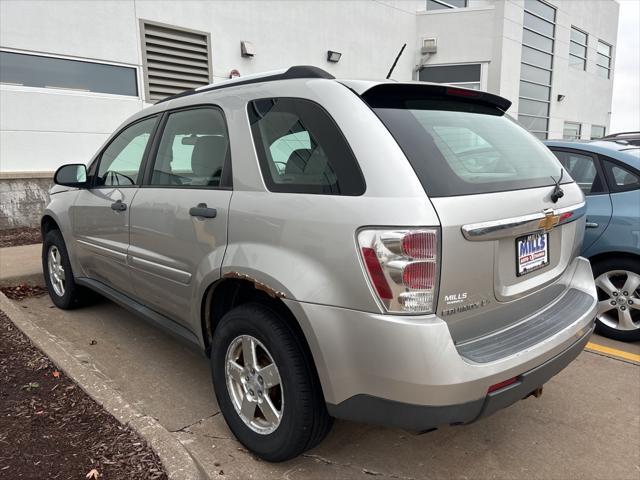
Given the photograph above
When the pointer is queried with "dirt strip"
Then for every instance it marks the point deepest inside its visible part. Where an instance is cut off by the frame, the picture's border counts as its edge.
(50, 428)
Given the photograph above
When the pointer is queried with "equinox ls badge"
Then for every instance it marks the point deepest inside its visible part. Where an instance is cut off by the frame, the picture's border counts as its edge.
(549, 221)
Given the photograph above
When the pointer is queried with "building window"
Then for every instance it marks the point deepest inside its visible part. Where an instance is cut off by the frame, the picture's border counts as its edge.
(444, 4)
(578, 49)
(52, 72)
(571, 131)
(174, 60)
(538, 39)
(603, 60)
(467, 76)
(597, 131)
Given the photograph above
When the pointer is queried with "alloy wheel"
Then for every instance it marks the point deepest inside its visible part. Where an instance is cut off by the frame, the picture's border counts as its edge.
(619, 299)
(254, 384)
(56, 270)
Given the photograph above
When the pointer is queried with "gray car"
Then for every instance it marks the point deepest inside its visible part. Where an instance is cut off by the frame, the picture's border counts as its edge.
(396, 253)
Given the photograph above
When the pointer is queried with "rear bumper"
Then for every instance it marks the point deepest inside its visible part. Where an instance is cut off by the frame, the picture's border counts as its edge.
(407, 372)
(368, 409)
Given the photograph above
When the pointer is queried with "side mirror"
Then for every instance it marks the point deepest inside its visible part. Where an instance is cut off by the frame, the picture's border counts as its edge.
(71, 175)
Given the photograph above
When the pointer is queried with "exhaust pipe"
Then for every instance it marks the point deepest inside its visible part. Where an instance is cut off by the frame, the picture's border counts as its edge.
(536, 393)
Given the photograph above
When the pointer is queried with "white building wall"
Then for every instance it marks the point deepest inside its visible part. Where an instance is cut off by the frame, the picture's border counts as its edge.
(490, 32)
(587, 96)
(464, 35)
(512, 13)
(43, 128)
(40, 129)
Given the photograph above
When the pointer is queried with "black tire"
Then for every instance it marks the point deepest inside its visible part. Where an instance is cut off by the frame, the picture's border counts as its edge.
(74, 295)
(611, 264)
(305, 420)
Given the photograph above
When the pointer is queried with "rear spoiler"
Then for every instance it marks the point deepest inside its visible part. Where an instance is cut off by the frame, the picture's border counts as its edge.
(390, 94)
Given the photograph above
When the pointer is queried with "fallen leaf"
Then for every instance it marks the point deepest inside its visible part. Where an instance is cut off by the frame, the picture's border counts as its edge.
(56, 373)
(93, 474)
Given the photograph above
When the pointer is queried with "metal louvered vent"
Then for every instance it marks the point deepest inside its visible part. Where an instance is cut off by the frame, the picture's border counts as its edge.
(174, 60)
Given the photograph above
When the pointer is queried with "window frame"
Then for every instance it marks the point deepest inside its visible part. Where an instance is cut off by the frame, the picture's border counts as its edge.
(445, 4)
(609, 57)
(69, 90)
(604, 132)
(263, 167)
(585, 45)
(94, 166)
(226, 179)
(568, 122)
(542, 134)
(464, 84)
(611, 181)
(596, 162)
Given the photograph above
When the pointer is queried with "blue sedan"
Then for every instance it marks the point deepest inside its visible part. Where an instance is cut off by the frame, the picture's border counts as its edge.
(609, 174)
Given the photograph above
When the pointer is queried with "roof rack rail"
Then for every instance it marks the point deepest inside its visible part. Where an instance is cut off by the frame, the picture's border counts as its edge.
(297, 71)
(619, 134)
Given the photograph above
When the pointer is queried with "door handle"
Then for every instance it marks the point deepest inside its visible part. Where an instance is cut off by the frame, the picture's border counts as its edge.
(591, 225)
(118, 206)
(203, 211)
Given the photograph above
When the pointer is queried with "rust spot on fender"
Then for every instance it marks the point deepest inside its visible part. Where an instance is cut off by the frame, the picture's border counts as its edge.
(258, 285)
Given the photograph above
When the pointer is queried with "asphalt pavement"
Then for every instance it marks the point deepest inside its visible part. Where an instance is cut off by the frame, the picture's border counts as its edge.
(586, 425)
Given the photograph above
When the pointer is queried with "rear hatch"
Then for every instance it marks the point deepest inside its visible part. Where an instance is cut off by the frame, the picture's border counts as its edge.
(505, 241)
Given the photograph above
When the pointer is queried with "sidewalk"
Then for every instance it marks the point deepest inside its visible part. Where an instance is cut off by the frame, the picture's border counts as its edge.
(21, 265)
(170, 383)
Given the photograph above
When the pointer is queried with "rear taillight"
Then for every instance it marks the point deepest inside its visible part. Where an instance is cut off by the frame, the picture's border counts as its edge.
(500, 385)
(376, 274)
(402, 267)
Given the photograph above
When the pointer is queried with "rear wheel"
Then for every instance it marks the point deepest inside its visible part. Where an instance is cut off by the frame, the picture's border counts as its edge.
(58, 276)
(265, 384)
(618, 285)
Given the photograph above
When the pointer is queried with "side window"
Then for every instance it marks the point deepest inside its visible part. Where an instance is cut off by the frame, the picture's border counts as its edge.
(120, 161)
(582, 169)
(621, 178)
(301, 149)
(193, 150)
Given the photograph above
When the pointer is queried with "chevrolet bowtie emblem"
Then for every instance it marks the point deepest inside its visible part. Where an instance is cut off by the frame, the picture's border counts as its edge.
(549, 221)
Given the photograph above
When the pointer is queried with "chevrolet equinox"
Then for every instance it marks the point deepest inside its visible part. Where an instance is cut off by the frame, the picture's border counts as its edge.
(402, 254)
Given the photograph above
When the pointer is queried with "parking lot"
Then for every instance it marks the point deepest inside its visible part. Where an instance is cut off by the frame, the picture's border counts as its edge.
(585, 425)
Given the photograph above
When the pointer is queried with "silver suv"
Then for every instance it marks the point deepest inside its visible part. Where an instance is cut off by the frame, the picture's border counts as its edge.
(396, 253)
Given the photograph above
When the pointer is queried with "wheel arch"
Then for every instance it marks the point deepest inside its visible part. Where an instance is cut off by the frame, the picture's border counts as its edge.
(48, 223)
(232, 291)
(612, 255)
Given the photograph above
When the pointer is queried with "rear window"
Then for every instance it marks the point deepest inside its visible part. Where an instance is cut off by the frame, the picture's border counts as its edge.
(465, 148)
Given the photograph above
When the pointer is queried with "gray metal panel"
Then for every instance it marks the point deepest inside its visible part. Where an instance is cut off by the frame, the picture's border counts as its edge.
(174, 59)
(530, 331)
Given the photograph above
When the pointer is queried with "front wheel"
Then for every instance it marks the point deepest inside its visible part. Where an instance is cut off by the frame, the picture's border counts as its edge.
(618, 285)
(265, 384)
(56, 267)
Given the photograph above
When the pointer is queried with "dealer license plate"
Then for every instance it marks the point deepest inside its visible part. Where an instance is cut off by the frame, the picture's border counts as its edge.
(532, 253)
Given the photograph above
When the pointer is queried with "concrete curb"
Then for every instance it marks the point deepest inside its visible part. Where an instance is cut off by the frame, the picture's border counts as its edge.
(177, 461)
(33, 279)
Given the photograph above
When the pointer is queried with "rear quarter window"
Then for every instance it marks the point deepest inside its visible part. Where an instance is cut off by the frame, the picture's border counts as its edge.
(301, 149)
(622, 178)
